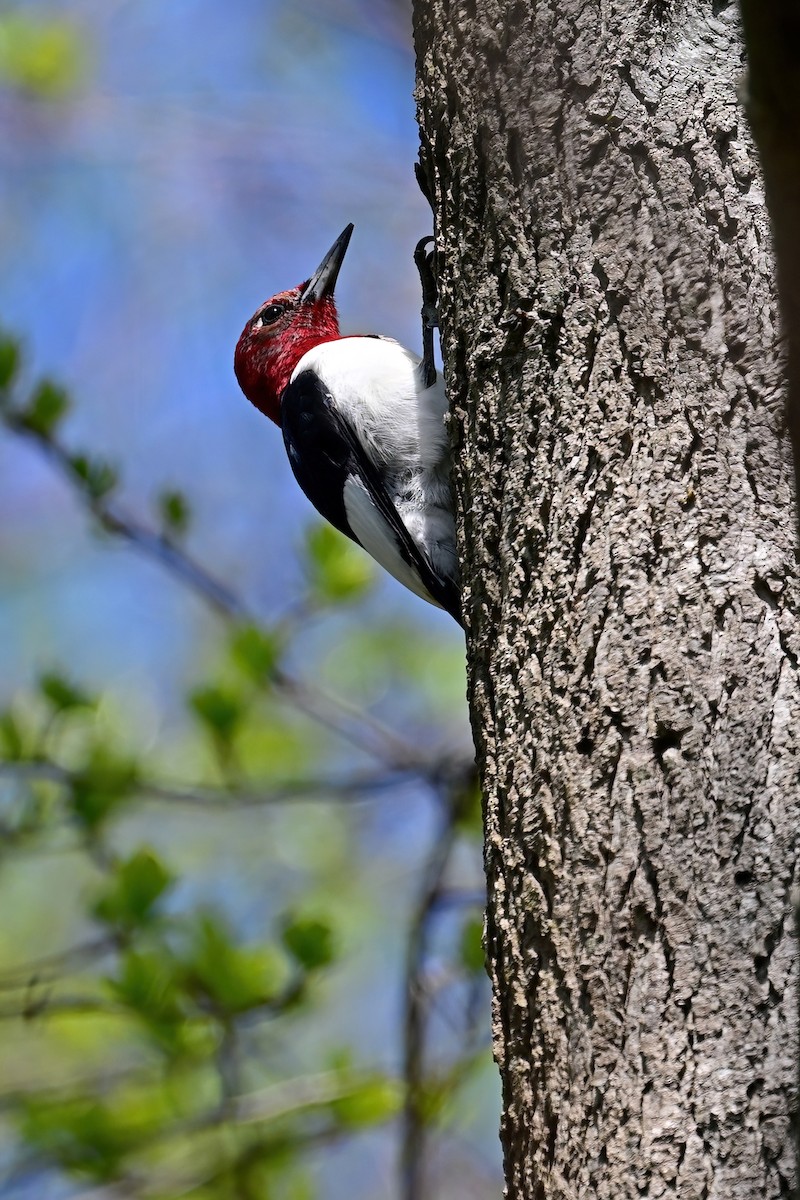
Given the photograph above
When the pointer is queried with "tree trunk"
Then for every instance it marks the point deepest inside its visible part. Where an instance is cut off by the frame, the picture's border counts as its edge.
(608, 322)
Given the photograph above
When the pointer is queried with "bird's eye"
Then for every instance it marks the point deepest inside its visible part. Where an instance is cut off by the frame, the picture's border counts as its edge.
(270, 314)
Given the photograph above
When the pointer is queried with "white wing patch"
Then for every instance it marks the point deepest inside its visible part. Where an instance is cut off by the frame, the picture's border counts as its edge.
(376, 536)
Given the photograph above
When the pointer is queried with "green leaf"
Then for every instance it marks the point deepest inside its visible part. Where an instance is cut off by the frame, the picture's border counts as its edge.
(370, 1103)
(173, 508)
(277, 746)
(147, 985)
(9, 361)
(78, 1133)
(46, 408)
(338, 570)
(42, 57)
(62, 694)
(255, 652)
(100, 786)
(12, 742)
(310, 940)
(97, 477)
(235, 978)
(470, 946)
(139, 883)
(219, 709)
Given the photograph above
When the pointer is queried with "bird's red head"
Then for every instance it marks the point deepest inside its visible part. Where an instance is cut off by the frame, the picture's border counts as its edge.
(284, 328)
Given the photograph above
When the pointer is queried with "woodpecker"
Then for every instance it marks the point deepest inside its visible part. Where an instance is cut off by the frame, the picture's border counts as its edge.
(363, 424)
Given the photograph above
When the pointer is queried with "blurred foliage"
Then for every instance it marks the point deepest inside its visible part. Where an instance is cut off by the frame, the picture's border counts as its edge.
(175, 513)
(43, 57)
(337, 570)
(152, 1041)
(256, 652)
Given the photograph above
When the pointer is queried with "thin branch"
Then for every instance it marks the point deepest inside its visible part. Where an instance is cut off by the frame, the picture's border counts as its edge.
(412, 1149)
(359, 728)
(153, 545)
(47, 1091)
(356, 788)
(178, 1185)
(27, 974)
(335, 714)
(136, 1185)
(62, 1006)
(288, 1097)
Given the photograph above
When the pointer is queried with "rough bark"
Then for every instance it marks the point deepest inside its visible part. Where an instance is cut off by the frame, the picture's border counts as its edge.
(609, 333)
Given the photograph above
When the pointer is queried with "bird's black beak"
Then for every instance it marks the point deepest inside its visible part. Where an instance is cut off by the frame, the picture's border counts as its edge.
(323, 281)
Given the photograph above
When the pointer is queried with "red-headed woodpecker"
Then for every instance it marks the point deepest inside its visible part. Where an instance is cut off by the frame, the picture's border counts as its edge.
(363, 424)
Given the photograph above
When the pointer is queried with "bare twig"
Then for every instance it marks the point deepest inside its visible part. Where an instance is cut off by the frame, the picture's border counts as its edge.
(74, 957)
(413, 1119)
(356, 788)
(47, 1005)
(150, 543)
(334, 713)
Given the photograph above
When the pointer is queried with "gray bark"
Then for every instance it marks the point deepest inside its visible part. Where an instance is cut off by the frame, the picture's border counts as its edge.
(609, 333)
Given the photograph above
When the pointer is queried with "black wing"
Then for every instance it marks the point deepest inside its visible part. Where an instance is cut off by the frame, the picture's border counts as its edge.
(338, 478)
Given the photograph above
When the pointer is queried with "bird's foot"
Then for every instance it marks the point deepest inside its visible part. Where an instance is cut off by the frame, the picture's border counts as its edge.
(425, 260)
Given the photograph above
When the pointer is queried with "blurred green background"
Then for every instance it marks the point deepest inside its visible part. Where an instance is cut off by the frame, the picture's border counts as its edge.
(240, 884)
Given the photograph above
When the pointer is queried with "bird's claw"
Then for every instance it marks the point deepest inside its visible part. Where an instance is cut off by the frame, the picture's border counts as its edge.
(425, 263)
